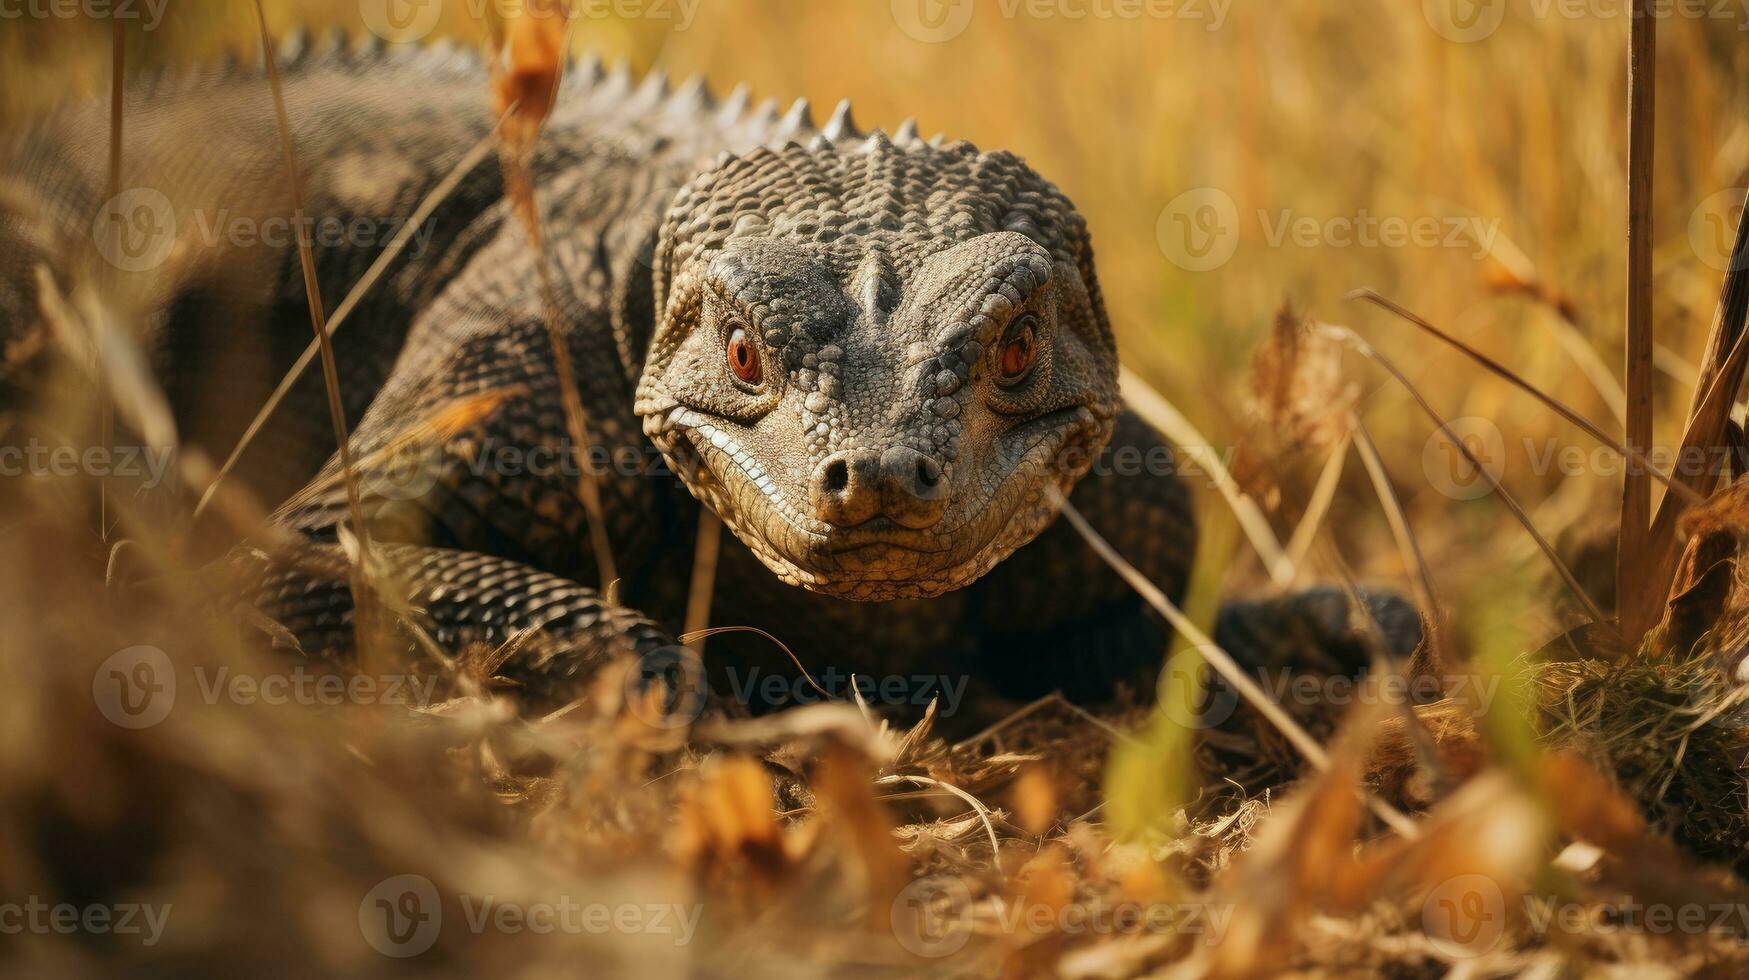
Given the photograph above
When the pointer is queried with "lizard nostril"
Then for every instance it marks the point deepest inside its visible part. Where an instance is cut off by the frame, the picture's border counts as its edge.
(928, 472)
(837, 476)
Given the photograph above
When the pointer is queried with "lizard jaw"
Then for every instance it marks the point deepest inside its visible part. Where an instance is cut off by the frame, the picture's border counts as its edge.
(876, 562)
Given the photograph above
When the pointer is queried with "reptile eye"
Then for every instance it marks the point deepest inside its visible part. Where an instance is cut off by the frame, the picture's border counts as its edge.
(743, 359)
(1019, 349)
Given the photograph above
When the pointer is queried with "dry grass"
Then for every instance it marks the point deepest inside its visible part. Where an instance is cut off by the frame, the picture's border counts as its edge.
(269, 831)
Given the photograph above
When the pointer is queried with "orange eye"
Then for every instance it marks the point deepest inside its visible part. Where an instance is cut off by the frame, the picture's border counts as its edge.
(1019, 348)
(743, 359)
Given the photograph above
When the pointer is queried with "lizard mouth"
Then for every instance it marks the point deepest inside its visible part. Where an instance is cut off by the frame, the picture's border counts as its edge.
(883, 533)
(881, 559)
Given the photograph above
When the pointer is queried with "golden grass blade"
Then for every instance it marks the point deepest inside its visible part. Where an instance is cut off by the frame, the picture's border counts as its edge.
(1626, 452)
(977, 806)
(704, 575)
(1218, 658)
(1728, 322)
(526, 91)
(1573, 342)
(125, 379)
(105, 408)
(1636, 495)
(1675, 366)
(1706, 429)
(435, 427)
(1299, 544)
(1163, 415)
(1427, 596)
(691, 638)
(124, 373)
(1518, 275)
(361, 595)
(312, 288)
(396, 245)
(1354, 341)
(1715, 394)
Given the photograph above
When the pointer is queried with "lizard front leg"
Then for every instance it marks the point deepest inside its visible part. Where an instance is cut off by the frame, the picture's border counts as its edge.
(469, 483)
(1058, 618)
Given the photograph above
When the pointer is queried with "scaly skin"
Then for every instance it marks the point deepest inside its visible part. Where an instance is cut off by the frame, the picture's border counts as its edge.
(884, 471)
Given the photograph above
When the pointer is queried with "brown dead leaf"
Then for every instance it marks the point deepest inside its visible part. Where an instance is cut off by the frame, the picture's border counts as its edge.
(1035, 800)
(1038, 894)
(1396, 769)
(1297, 403)
(1707, 595)
(529, 56)
(727, 829)
(846, 795)
(1298, 860)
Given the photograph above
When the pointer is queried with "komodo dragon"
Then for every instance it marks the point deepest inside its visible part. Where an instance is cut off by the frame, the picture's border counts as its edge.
(870, 355)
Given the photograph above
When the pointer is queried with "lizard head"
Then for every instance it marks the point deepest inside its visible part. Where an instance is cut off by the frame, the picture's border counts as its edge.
(872, 360)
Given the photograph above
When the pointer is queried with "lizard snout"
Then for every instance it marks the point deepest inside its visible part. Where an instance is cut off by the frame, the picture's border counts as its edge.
(854, 486)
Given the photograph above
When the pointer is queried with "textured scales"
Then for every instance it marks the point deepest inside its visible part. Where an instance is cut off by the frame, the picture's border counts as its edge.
(880, 281)
(883, 454)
